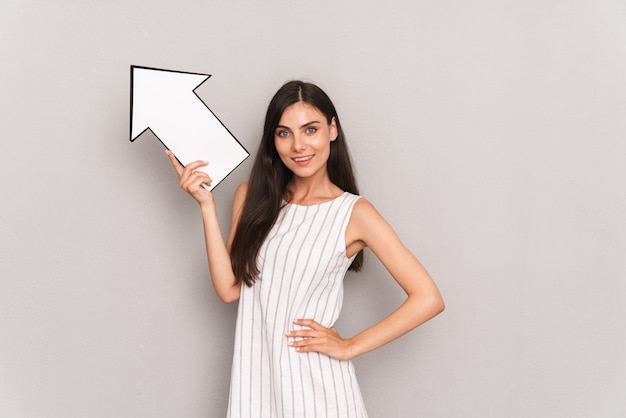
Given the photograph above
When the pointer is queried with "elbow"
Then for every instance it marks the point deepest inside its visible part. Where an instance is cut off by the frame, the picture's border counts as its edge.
(435, 304)
(227, 300)
(229, 297)
(427, 306)
(439, 305)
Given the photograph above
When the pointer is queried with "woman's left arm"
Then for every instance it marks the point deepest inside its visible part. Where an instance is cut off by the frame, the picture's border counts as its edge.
(368, 228)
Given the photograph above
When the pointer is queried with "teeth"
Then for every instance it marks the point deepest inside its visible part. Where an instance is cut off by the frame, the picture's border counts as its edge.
(300, 159)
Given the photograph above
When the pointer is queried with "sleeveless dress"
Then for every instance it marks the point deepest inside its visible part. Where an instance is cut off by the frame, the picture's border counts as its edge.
(302, 263)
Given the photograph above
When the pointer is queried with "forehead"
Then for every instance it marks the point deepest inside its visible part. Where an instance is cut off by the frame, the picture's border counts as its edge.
(300, 113)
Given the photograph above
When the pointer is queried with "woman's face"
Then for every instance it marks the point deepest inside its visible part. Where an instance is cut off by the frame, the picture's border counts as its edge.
(302, 139)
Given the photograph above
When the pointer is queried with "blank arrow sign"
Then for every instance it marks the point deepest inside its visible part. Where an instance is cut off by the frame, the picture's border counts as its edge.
(165, 102)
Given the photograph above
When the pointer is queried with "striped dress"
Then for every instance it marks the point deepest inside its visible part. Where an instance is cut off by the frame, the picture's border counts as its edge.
(302, 262)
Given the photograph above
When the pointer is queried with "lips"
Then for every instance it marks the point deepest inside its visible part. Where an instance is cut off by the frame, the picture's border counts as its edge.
(302, 160)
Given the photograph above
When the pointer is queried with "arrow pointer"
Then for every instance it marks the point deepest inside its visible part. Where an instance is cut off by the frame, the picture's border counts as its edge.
(165, 102)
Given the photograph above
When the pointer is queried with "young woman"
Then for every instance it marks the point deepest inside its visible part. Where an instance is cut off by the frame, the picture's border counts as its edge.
(297, 226)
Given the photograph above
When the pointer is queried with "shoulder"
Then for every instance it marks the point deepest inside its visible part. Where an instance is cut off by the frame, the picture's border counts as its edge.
(369, 228)
(363, 210)
(366, 223)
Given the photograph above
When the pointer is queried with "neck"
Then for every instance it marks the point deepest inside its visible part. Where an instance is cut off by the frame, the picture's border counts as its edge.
(311, 191)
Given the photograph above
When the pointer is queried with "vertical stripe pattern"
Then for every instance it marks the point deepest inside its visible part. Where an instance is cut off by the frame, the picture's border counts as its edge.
(302, 262)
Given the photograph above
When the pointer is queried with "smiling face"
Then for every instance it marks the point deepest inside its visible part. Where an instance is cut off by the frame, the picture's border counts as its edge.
(302, 140)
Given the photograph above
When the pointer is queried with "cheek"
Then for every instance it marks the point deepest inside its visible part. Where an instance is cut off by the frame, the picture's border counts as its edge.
(279, 146)
(321, 143)
(283, 151)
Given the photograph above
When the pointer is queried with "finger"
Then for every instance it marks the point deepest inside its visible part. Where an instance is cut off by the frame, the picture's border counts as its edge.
(303, 333)
(196, 177)
(177, 165)
(194, 166)
(300, 341)
(189, 168)
(309, 323)
(311, 343)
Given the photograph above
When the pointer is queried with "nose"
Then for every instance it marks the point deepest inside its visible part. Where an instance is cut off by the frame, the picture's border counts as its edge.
(299, 143)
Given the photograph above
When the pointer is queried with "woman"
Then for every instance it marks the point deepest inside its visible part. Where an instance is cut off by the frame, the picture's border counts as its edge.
(297, 225)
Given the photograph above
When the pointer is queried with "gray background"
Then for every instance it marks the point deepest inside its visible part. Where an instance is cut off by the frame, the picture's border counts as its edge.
(491, 135)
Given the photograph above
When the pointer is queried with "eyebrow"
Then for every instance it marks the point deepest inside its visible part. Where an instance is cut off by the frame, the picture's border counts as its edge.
(303, 126)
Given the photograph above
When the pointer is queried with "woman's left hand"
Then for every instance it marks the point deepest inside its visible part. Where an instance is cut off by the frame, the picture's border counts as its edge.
(319, 339)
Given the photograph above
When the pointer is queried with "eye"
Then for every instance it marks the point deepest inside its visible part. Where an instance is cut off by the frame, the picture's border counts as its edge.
(311, 130)
(282, 134)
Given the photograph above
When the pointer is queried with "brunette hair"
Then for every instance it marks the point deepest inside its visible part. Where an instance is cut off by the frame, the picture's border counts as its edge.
(269, 178)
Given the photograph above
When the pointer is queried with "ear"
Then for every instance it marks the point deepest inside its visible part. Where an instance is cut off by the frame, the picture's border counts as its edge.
(333, 129)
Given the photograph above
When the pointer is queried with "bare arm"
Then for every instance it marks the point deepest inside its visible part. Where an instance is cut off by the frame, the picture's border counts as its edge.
(368, 228)
(218, 252)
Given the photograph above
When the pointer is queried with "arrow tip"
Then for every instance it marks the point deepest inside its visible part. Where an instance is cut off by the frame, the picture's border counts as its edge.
(150, 86)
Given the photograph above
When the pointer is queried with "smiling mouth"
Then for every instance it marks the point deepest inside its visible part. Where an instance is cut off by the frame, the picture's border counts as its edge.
(302, 159)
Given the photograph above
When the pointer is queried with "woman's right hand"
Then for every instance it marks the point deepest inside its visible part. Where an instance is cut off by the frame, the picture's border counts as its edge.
(191, 180)
(220, 268)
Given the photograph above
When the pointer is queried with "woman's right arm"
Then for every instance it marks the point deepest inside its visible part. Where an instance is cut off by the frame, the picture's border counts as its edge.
(218, 252)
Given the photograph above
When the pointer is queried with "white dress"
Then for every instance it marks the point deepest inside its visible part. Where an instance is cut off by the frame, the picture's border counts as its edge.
(302, 263)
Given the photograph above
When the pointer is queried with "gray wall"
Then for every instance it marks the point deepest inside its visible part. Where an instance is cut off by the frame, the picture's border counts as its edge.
(491, 134)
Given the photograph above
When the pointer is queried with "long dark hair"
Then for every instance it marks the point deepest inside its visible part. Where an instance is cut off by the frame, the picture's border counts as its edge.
(269, 179)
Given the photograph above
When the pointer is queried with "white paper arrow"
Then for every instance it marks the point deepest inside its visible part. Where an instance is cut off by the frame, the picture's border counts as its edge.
(165, 102)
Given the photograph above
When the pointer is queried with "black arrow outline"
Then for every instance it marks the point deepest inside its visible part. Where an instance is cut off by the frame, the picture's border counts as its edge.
(132, 76)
